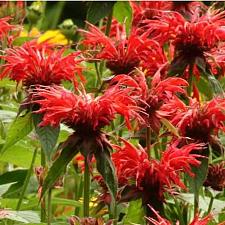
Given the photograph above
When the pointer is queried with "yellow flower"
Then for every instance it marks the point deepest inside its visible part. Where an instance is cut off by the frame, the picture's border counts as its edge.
(53, 37)
(33, 33)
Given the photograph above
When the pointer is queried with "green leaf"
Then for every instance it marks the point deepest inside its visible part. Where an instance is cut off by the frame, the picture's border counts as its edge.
(122, 11)
(4, 188)
(200, 172)
(21, 40)
(106, 168)
(98, 10)
(20, 216)
(69, 150)
(135, 213)
(20, 154)
(20, 127)
(170, 126)
(67, 202)
(47, 135)
(217, 207)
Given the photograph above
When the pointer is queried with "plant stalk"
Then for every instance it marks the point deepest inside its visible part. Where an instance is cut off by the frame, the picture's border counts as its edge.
(86, 189)
(49, 206)
(43, 206)
(26, 182)
(210, 205)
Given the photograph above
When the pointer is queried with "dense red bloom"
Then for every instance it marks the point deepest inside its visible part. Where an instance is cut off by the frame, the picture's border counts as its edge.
(34, 64)
(5, 27)
(122, 54)
(162, 221)
(152, 177)
(83, 112)
(132, 163)
(153, 10)
(193, 40)
(160, 92)
(196, 121)
(216, 176)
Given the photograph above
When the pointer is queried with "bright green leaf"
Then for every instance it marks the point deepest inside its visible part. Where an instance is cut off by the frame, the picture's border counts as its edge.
(135, 213)
(20, 127)
(122, 11)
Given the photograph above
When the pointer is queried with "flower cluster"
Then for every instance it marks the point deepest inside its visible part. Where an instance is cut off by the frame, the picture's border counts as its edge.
(141, 104)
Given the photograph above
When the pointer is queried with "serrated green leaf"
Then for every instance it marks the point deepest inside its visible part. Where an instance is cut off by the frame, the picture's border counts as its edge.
(69, 150)
(122, 11)
(47, 135)
(106, 168)
(135, 213)
(20, 127)
(98, 10)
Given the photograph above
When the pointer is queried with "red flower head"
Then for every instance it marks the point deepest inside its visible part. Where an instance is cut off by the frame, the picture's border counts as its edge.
(193, 40)
(34, 64)
(83, 112)
(152, 176)
(161, 92)
(196, 121)
(122, 54)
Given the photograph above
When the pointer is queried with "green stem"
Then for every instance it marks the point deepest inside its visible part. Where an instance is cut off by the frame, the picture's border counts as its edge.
(26, 182)
(148, 142)
(43, 164)
(210, 205)
(49, 206)
(98, 74)
(196, 200)
(86, 188)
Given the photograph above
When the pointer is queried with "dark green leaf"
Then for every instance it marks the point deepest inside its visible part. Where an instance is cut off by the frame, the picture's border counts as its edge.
(47, 135)
(69, 150)
(200, 172)
(17, 177)
(106, 168)
(122, 11)
(98, 10)
(20, 127)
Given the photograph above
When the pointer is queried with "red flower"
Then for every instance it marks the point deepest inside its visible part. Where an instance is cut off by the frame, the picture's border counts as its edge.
(151, 177)
(196, 121)
(122, 54)
(83, 112)
(34, 64)
(5, 27)
(175, 160)
(193, 40)
(161, 92)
